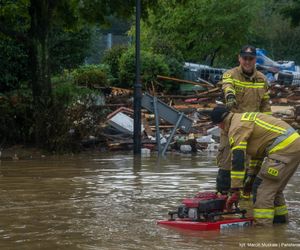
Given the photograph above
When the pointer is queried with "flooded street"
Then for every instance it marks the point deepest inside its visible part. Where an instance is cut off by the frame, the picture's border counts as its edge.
(111, 201)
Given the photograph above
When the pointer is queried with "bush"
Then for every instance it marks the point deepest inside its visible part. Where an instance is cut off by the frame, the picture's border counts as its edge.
(151, 66)
(16, 116)
(111, 58)
(70, 86)
(74, 85)
(59, 139)
(68, 96)
(69, 92)
(91, 76)
(175, 66)
(13, 64)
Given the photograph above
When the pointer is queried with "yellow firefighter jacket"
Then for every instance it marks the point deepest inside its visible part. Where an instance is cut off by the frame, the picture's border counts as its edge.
(251, 92)
(255, 134)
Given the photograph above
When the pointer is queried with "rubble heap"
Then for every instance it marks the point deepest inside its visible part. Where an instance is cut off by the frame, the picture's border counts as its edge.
(203, 136)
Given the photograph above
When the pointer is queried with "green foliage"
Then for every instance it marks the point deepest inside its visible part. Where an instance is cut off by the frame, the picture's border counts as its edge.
(122, 65)
(31, 22)
(16, 116)
(14, 15)
(14, 20)
(112, 58)
(71, 86)
(212, 31)
(274, 33)
(200, 29)
(58, 138)
(69, 92)
(99, 11)
(71, 104)
(68, 48)
(204, 31)
(151, 66)
(13, 64)
(91, 76)
(292, 11)
(175, 66)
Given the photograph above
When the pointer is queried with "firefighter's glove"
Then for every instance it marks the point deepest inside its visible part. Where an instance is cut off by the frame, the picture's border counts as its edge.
(233, 199)
(230, 101)
(248, 185)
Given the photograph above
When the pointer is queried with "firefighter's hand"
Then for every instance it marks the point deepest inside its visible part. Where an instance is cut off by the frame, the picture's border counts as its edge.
(230, 101)
(233, 198)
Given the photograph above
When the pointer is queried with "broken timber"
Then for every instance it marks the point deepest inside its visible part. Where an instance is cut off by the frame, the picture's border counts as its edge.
(186, 81)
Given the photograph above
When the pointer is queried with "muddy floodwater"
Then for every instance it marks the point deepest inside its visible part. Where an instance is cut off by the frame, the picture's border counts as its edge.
(112, 201)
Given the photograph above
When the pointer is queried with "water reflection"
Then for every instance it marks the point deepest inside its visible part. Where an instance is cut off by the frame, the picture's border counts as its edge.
(112, 201)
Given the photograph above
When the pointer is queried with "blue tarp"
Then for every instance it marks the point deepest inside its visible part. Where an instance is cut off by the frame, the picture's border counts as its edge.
(262, 59)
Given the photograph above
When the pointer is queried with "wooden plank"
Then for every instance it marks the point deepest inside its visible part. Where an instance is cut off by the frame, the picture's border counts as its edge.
(205, 93)
(185, 81)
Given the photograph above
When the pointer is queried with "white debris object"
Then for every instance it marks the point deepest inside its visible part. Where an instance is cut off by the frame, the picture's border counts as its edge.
(185, 148)
(215, 131)
(123, 123)
(163, 140)
(212, 147)
(145, 151)
(206, 139)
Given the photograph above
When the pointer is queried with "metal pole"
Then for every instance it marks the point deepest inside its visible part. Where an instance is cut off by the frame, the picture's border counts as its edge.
(172, 133)
(156, 124)
(137, 85)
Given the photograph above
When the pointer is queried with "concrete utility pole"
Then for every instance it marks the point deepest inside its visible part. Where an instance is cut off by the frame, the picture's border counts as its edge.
(137, 85)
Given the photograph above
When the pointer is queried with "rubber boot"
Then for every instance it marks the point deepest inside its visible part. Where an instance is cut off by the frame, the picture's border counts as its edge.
(280, 219)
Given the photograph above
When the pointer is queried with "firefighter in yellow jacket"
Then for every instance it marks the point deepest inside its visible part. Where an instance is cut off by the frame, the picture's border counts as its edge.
(245, 90)
(261, 135)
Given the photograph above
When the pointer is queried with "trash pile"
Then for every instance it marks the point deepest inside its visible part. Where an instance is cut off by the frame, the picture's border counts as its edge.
(282, 72)
(202, 137)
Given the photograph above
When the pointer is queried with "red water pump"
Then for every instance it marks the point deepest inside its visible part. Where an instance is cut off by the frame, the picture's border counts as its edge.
(205, 206)
(205, 212)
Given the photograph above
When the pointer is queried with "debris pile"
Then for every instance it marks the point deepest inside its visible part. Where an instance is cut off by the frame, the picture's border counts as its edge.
(281, 94)
(203, 136)
(109, 116)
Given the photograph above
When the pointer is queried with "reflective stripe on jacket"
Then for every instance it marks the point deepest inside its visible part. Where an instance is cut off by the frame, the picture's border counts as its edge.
(251, 92)
(256, 134)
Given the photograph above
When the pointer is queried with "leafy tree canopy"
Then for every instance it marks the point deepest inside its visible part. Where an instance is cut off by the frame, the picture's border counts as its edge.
(292, 12)
(200, 29)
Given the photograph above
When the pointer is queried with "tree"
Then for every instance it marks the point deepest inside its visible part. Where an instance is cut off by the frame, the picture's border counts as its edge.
(202, 30)
(152, 65)
(13, 64)
(273, 32)
(14, 52)
(68, 48)
(30, 21)
(291, 11)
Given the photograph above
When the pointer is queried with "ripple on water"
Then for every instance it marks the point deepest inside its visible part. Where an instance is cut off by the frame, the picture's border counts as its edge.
(112, 202)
